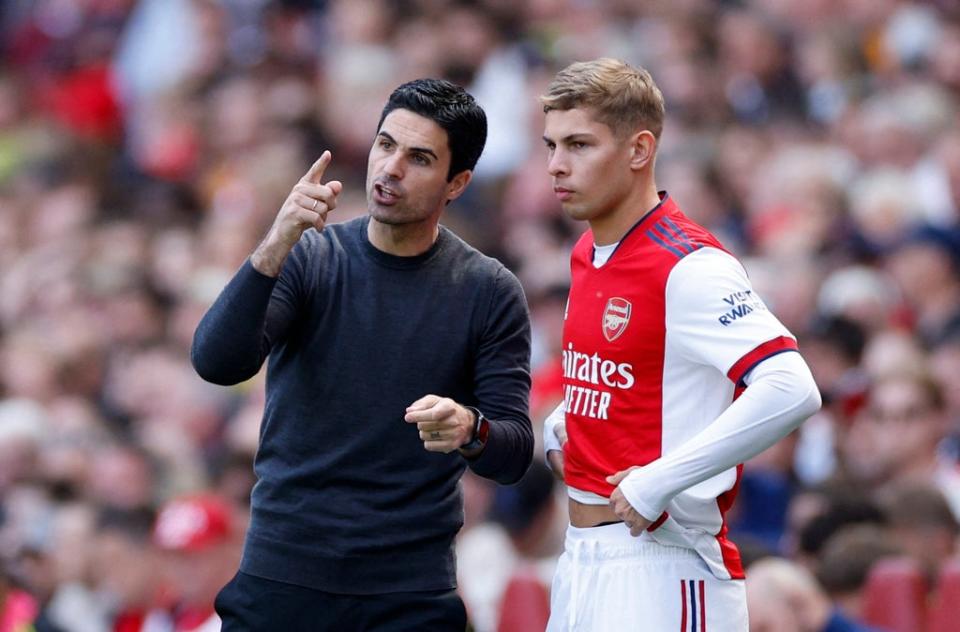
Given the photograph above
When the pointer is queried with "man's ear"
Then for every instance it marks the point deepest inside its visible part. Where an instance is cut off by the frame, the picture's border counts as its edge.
(643, 149)
(458, 184)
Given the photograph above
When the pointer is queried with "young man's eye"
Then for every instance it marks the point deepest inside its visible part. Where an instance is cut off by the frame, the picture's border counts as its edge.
(385, 144)
(421, 159)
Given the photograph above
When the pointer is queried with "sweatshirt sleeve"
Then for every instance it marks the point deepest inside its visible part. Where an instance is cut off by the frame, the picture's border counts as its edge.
(236, 334)
(502, 384)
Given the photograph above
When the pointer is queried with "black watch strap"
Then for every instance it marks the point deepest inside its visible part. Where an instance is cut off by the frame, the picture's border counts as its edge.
(480, 429)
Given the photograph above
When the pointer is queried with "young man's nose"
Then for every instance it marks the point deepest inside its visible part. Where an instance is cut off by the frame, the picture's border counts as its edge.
(557, 164)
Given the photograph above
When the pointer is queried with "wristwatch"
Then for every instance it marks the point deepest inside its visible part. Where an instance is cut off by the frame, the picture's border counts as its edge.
(481, 428)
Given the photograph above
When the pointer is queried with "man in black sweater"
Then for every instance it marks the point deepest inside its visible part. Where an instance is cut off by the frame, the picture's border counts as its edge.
(398, 356)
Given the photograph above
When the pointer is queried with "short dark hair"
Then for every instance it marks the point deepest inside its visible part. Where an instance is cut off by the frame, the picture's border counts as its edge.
(135, 524)
(848, 556)
(452, 108)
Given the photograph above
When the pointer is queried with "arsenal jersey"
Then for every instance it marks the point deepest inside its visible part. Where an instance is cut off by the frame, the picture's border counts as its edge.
(655, 344)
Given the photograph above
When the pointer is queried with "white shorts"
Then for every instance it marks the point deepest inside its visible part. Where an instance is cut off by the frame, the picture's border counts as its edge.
(608, 581)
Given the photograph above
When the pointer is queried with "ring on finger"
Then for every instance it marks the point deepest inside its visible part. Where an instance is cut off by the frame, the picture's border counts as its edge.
(315, 202)
(435, 435)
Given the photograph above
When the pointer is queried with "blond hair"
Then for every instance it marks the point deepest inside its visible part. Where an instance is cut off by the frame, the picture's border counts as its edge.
(622, 96)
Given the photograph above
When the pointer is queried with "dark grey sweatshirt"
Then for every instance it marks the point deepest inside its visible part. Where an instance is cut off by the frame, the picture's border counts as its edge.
(347, 500)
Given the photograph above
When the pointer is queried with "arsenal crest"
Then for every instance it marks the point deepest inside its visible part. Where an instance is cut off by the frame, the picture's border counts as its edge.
(616, 316)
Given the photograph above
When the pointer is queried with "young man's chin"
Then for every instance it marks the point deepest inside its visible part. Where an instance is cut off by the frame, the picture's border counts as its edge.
(577, 212)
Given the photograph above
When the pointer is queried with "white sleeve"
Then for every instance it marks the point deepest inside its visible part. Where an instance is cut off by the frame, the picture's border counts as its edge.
(714, 317)
(780, 394)
(550, 440)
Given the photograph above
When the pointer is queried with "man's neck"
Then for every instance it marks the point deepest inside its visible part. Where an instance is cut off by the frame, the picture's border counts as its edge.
(611, 227)
(403, 240)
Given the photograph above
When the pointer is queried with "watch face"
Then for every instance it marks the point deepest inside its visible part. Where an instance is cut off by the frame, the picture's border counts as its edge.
(480, 430)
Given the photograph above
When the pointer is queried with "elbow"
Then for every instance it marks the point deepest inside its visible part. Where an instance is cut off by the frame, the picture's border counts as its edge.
(207, 370)
(793, 378)
(812, 400)
(809, 401)
(523, 460)
(526, 462)
(512, 475)
(517, 476)
(816, 399)
(214, 371)
(530, 447)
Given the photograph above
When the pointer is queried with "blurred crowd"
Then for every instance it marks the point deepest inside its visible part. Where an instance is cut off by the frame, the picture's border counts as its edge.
(145, 147)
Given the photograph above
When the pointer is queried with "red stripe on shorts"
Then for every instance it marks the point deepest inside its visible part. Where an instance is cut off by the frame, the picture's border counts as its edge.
(703, 608)
(683, 600)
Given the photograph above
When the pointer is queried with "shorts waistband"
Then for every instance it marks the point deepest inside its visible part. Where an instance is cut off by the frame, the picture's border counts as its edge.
(614, 541)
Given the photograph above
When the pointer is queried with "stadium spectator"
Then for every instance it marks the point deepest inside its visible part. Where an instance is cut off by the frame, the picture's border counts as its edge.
(922, 525)
(845, 562)
(199, 543)
(130, 578)
(899, 437)
(784, 597)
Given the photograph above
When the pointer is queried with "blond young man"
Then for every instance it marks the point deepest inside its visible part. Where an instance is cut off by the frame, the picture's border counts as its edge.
(662, 333)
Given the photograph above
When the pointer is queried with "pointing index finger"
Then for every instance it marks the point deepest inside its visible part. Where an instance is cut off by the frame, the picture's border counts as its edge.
(315, 173)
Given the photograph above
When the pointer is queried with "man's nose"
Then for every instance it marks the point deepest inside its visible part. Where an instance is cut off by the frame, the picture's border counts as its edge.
(393, 166)
(557, 165)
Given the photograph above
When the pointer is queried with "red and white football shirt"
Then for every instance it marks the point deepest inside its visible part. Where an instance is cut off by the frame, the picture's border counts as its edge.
(656, 342)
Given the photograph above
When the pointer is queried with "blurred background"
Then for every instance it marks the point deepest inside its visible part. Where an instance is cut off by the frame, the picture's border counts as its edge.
(145, 147)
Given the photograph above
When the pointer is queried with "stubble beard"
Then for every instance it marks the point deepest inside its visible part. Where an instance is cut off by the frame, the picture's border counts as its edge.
(399, 214)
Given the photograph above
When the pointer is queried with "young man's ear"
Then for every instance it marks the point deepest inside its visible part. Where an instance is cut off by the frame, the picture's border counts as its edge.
(458, 184)
(644, 149)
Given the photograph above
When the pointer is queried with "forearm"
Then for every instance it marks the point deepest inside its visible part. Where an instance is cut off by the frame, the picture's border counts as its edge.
(230, 343)
(268, 259)
(781, 393)
(550, 439)
(508, 452)
(272, 252)
(234, 337)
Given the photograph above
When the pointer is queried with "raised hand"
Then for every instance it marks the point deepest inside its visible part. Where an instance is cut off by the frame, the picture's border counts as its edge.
(307, 206)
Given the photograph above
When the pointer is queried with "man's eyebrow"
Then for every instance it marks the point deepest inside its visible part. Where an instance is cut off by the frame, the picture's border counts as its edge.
(570, 138)
(422, 150)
